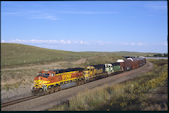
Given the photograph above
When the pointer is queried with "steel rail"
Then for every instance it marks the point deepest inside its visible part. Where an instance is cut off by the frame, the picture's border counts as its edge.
(18, 101)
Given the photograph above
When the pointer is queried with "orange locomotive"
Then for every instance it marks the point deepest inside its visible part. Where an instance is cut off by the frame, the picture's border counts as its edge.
(49, 81)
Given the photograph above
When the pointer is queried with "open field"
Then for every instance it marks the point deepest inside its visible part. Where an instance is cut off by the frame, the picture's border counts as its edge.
(148, 92)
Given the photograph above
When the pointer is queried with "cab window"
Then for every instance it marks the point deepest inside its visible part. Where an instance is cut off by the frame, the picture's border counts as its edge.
(52, 75)
(46, 75)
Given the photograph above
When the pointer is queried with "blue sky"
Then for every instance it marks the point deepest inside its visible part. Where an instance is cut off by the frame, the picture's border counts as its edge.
(87, 26)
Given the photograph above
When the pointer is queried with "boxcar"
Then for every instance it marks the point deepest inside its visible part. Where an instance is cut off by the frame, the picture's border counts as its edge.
(133, 62)
(125, 64)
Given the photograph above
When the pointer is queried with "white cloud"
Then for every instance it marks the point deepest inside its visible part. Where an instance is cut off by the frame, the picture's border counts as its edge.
(87, 12)
(81, 42)
(124, 43)
(132, 43)
(10, 13)
(140, 44)
(35, 14)
(155, 6)
(69, 42)
(164, 43)
(102, 43)
(32, 14)
(46, 17)
(2, 41)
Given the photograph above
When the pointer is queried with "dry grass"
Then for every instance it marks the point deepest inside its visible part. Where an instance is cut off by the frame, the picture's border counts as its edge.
(130, 95)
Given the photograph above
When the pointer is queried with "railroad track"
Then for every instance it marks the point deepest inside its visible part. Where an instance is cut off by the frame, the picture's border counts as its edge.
(17, 101)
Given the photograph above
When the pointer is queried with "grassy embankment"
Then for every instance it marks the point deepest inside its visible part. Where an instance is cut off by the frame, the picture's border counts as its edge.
(131, 95)
(18, 55)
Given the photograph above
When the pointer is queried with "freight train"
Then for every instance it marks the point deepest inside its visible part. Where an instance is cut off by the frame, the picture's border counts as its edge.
(49, 81)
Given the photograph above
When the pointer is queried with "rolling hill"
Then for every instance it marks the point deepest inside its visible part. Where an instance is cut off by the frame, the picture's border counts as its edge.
(18, 54)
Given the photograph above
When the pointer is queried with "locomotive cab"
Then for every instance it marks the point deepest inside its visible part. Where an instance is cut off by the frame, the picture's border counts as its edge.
(46, 75)
(89, 72)
(40, 81)
(109, 68)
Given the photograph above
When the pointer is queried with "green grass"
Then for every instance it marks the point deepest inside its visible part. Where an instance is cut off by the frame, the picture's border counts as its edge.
(18, 54)
(13, 55)
(130, 95)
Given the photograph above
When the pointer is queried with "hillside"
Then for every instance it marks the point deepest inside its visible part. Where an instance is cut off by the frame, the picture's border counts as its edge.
(19, 54)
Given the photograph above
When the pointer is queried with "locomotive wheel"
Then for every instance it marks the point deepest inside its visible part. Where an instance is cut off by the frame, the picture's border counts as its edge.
(52, 90)
(49, 90)
(45, 93)
(78, 83)
(40, 93)
(85, 81)
(34, 93)
(105, 76)
(82, 82)
(57, 88)
(91, 79)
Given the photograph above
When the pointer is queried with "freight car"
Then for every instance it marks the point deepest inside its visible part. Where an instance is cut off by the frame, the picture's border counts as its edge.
(137, 62)
(142, 61)
(125, 64)
(49, 81)
(133, 62)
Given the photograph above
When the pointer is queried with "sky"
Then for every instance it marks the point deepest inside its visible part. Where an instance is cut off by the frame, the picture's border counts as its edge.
(108, 26)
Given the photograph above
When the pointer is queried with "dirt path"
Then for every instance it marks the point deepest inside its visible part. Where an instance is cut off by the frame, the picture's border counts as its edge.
(48, 101)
